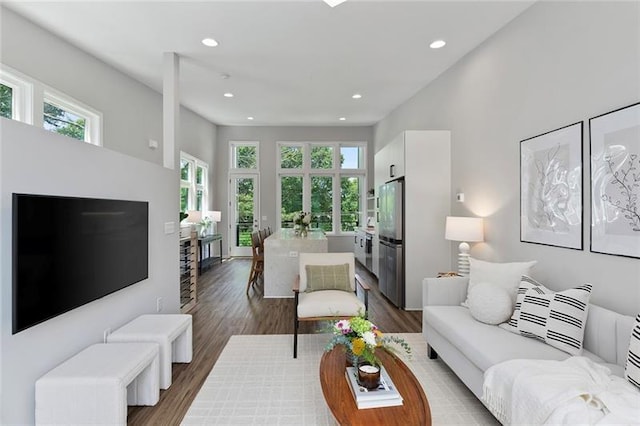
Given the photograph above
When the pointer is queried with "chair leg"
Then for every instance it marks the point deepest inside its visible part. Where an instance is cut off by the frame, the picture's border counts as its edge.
(295, 325)
(431, 353)
(295, 337)
(252, 276)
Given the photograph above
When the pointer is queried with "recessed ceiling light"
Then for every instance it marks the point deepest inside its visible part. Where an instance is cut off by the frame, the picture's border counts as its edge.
(228, 95)
(209, 42)
(356, 96)
(249, 118)
(342, 118)
(437, 44)
(334, 3)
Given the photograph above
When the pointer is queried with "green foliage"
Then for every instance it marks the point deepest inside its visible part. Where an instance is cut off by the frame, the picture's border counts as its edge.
(291, 157)
(246, 157)
(60, 121)
(6, 99)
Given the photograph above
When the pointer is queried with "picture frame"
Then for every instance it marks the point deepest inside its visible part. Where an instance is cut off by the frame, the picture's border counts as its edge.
(614, 140)
(551, 189)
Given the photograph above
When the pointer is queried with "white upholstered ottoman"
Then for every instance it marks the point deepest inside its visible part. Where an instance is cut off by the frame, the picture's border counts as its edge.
(172, 332)
(95, 385)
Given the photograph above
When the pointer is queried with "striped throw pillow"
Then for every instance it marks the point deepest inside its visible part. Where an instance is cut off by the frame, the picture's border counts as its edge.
(557, 319)
(526, 283)
(632, 368)
(328, 277)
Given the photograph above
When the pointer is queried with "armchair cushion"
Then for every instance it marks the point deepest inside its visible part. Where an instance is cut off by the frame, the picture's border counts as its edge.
(328, 277)
(329, 303)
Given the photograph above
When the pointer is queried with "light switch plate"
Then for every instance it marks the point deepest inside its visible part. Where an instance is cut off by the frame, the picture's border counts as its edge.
(169, 227)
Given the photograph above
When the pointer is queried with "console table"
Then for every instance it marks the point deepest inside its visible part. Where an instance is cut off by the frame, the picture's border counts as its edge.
(205, 257)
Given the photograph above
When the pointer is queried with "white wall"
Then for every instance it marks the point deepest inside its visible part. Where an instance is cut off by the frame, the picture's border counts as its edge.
(33, 160)
(198, 138)
(268, 137)
(556, 64)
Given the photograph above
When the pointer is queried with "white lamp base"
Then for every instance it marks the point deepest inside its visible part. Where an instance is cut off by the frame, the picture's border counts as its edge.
(463, 259)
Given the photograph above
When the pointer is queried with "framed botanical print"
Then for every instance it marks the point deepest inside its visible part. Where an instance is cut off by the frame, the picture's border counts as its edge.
(615, 182)
(551, 188)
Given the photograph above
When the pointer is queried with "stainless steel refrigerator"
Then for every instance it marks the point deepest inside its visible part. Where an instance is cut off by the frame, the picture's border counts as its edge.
(391, 235)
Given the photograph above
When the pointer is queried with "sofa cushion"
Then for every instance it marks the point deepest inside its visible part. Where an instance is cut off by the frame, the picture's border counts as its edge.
(489, 303)
(557, 319)
(632, 368)
(526, 283)
(505, 275)
(486, 345)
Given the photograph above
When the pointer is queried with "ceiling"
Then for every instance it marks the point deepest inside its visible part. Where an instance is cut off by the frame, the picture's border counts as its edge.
(288, 63)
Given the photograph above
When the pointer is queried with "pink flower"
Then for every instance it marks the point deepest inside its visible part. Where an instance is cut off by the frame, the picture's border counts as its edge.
(343, 326)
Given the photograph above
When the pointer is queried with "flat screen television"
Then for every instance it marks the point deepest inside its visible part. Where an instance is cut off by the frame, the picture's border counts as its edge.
(70, 251)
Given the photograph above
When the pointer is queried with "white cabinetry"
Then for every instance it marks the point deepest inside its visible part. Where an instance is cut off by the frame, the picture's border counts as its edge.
(423, 159)
(359, 246)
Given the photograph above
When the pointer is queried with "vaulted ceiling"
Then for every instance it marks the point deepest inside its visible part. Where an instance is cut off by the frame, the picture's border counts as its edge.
(285, 62)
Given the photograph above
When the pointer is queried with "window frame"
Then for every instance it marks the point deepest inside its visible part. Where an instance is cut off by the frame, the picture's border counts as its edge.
(192, 185)
(232, 156)
(93, 118)
(336, 172)
(21, 94)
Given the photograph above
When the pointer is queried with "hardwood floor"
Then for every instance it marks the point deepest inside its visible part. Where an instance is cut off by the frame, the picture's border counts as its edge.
(224, 309)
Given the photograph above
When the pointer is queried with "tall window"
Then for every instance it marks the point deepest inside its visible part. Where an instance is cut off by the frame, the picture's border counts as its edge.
(66, 116)
(193, 183)
(326, 179)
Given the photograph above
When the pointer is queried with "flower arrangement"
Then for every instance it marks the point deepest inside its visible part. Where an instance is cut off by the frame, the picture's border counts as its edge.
(361, 337)
(302, 220)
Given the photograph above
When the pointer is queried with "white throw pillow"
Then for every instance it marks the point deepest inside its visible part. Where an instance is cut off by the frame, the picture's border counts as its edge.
(526, 284)
(632, 368)
(489, 303)
(505, 275)
(558, 319)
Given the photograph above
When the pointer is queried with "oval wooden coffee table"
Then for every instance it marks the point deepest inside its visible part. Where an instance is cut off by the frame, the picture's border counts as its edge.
(414, 410)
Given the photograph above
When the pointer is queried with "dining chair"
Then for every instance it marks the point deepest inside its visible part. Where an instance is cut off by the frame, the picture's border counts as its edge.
(257, 263)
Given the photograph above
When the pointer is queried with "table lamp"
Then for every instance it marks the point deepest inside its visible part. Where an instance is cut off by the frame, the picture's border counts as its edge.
(464, 229)
(215, 218)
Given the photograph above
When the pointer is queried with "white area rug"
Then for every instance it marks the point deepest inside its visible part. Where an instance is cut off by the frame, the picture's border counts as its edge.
(256, 381)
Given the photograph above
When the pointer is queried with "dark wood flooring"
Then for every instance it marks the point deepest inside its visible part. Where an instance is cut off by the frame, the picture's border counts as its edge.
(224, 309)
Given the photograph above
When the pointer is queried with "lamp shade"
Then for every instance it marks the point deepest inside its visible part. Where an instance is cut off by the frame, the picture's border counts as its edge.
(214, 216)
(464, 229)
(195, 216)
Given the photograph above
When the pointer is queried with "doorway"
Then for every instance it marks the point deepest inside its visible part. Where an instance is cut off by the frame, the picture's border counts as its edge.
(244, 213)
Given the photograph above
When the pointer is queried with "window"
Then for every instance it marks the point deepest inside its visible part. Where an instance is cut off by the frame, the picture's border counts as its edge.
(15, 96)
(66, 116)
(244, 155)
(326, 179)
(6, 101)
(193, 183)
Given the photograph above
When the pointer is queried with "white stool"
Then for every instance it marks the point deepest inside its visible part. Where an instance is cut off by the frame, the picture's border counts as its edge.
(95, 385)
(172, 332)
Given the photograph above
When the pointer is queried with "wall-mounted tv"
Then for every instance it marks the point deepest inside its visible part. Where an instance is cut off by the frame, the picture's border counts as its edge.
(70, 251)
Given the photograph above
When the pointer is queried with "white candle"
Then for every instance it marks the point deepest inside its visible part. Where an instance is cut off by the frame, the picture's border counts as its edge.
(369, 369)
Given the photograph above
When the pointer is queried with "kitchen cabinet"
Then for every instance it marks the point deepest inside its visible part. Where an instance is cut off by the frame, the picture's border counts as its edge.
(422, 158)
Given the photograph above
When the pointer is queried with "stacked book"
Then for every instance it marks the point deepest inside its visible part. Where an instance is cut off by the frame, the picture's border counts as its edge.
(385, 395)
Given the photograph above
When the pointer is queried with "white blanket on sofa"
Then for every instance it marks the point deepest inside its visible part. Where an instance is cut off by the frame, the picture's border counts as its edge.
(573, 391)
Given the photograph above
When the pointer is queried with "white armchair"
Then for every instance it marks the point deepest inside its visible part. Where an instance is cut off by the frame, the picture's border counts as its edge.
(328, 302)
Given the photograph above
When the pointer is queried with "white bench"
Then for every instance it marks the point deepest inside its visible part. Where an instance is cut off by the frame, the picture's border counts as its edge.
(173, 332)
(95, 385)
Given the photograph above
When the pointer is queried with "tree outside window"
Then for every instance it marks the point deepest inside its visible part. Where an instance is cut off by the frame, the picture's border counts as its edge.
(6, 101)
(64, 122)
(313, 188)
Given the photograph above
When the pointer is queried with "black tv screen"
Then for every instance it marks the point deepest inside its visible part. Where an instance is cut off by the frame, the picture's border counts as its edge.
(70, 251)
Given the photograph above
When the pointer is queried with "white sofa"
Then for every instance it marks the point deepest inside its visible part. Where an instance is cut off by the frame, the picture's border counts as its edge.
(470, 347)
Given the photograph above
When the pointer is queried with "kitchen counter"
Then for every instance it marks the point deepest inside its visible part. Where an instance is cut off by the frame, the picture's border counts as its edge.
(281, 259)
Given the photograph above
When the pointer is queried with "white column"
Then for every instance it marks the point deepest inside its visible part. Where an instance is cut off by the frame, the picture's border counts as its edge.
(170, 108)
